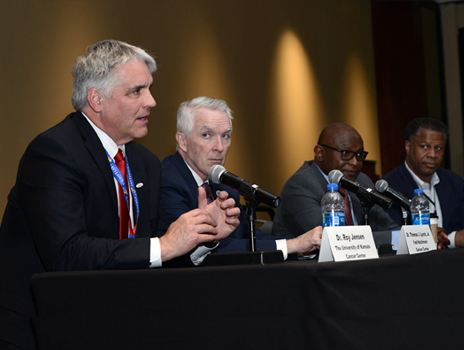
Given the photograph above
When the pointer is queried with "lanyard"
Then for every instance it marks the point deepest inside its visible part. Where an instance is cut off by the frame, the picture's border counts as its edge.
(118, 176)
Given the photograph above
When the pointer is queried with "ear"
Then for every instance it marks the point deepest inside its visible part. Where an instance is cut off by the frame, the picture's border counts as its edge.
(319, 153)
(407, 147)
(94, 98)
(181, 141)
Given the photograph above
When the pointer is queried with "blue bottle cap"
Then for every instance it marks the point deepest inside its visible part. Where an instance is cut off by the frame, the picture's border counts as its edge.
(418, 190)
(332, 187)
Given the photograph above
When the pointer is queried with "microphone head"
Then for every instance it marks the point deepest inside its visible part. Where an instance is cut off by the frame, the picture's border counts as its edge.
(381, 185)
(215, 173)
(335, 176)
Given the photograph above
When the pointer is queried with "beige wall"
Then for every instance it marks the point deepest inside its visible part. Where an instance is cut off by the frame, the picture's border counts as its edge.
(287, 68)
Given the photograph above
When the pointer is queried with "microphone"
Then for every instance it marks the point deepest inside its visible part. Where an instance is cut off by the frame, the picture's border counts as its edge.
(382, 187)
(252, 192)
(336, 176)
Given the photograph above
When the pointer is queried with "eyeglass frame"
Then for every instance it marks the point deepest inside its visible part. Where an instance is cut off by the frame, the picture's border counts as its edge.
(360, 156)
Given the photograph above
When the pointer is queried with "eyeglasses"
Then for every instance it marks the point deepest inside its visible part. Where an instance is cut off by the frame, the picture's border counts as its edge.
(348, 155)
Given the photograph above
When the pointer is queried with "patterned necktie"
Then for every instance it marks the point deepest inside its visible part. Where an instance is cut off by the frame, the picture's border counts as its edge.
(209, 192)
(348, 217)
(123, 211)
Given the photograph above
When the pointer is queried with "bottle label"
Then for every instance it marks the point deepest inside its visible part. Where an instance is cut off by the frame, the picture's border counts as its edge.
(420, 219)
(333, 219)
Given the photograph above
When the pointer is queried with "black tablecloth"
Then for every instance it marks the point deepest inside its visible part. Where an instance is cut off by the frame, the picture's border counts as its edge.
(394, 302)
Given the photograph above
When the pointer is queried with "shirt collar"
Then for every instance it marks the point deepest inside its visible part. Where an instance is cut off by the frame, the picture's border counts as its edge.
(197, 177)
(323, 174)
(107, 142)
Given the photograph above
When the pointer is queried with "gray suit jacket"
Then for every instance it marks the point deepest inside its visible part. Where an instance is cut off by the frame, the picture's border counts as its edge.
(300, 209)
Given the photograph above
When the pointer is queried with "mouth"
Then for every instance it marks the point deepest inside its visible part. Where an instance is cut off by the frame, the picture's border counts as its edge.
(430, 165)
(350, 174)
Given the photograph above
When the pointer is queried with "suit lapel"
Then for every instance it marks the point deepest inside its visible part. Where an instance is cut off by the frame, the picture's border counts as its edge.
(186, 174)
(96, 150)
(357, 208)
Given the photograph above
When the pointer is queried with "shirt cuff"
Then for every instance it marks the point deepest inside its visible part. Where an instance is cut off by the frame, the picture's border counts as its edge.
(281, 244)
(155, 253)
(200, 254)
(451, 238)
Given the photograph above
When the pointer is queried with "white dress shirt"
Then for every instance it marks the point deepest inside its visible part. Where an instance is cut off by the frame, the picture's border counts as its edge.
(431, 192)
(155, 248)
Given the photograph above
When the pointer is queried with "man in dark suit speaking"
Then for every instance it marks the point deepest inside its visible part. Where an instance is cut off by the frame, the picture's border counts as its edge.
(204, 131)
(87, 197)
(339, 147)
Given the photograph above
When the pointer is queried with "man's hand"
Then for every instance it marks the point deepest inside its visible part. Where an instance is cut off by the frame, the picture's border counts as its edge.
(186, 233)
(443, 240)
(222, 210)
(459, 239)
(307, 242)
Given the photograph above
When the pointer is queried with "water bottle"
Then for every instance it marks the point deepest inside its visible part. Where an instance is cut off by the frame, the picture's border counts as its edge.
(333, 207)
(420, 208)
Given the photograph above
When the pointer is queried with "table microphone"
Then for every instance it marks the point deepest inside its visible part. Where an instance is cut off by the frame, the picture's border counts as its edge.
(219, 174)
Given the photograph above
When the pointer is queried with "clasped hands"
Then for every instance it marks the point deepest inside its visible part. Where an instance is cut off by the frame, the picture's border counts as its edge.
(208, 223)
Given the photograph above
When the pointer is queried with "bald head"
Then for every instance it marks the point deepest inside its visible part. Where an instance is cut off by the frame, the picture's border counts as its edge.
(342, 137)
(339, 133)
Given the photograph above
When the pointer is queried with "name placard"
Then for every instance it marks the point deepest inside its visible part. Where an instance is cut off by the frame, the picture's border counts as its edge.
(415, 239)
(347, 243)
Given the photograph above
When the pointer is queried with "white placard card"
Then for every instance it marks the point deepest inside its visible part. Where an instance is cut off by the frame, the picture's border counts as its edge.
(347, 243)
(415, 239)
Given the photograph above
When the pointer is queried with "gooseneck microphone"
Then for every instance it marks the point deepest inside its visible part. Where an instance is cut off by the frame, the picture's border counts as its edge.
(368, 194)
(383, 187)
(252, 192)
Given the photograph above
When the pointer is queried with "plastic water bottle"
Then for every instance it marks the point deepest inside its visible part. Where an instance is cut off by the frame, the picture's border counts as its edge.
(333, 207)
(420, 214)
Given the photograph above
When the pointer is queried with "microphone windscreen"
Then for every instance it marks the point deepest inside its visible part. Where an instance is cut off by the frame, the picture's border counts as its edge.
(335, 176)
(215, 173)
(381, 185)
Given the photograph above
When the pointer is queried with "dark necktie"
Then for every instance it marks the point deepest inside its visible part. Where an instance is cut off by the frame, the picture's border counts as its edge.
(123, 211)
(348, 216)
(209, 192)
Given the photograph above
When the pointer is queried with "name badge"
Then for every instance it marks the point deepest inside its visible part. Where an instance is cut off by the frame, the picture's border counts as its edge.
(347, 243)
(415, 239)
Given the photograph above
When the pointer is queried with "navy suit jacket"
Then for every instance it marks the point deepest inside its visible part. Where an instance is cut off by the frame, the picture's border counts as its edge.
(62, 214)
(179, 194)
(450, 192)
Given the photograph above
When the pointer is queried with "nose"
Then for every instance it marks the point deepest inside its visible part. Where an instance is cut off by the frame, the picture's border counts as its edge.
(218, 146)
(353, 161)
(432, 153)
(150, 102)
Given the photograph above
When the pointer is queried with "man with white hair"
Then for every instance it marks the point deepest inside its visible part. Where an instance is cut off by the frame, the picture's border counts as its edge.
(204, 132)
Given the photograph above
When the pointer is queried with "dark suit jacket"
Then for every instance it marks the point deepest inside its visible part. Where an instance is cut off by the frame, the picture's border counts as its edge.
(62, 215)
(450, 192)
(179, 194)
(300, 209)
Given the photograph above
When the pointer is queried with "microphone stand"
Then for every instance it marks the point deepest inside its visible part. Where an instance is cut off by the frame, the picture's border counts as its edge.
(406, 218)
(251, 216)
(366, 205)
(253, 256)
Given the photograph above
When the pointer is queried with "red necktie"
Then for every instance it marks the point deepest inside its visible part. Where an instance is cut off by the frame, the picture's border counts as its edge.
(348, 217)
(209, 192)
(123, 211)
